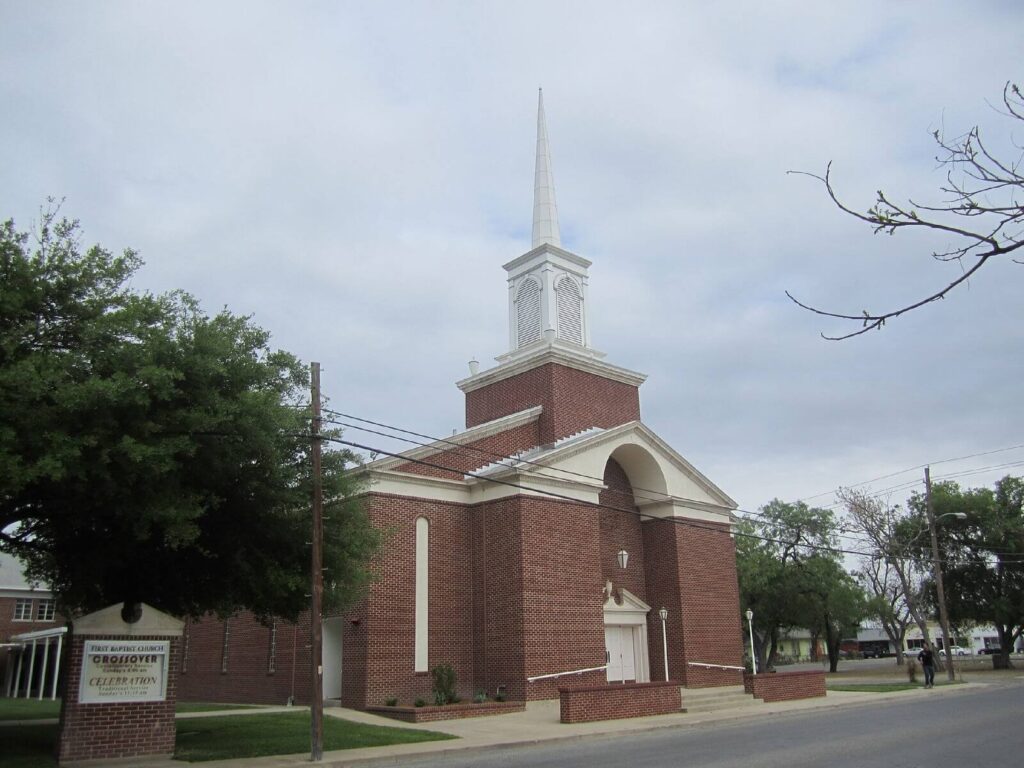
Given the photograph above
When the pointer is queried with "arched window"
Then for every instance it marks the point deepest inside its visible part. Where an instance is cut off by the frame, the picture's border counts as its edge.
(421, 657)
(570, 316)
(528, 312)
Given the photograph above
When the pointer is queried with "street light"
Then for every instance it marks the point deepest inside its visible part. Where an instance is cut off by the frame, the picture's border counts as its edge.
(663, 613)
(753, 653)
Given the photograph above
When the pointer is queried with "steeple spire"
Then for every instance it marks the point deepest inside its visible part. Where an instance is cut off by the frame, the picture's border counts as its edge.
(545, 210)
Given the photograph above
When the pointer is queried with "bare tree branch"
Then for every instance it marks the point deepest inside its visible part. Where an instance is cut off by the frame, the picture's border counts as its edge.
(974, 176)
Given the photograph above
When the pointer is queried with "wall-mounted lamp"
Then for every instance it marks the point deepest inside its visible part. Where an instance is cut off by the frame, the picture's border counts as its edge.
(623, 557)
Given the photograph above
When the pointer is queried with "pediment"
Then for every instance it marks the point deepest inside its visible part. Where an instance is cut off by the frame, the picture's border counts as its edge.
(661, 478)
(624, 601)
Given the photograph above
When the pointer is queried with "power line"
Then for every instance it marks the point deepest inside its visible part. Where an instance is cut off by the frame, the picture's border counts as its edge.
(634, 512)
(516, 462)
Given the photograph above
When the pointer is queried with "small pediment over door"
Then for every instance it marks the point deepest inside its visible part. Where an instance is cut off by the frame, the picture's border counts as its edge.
(628, 609)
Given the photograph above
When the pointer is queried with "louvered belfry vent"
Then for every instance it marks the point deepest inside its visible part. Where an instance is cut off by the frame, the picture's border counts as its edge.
(528, 314)
(570, 325)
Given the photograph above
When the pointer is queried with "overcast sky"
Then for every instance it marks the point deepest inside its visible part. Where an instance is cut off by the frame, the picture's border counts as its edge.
(355, 174)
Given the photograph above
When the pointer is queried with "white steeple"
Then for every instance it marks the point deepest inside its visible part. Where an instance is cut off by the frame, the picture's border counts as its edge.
(545, 209)
(548, 284)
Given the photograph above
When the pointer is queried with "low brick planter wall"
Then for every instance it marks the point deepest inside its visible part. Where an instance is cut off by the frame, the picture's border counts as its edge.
(449, 711)
(583, 704)
(785, 686)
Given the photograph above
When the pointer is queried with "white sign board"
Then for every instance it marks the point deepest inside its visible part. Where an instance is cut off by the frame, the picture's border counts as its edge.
(124, 670)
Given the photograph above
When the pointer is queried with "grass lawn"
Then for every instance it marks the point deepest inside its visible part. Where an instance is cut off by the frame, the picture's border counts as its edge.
(33, 709)
(28, 709)
(221, 738)
(872, 687)
(234, 736)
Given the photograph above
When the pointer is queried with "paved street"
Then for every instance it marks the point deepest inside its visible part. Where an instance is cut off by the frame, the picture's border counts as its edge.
(976, 727)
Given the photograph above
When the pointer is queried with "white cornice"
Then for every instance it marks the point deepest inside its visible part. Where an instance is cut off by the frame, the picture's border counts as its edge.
(543, 354)
(547, 249)
(471, 435)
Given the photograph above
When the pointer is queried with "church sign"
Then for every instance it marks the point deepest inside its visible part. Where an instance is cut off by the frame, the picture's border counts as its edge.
(124, 670)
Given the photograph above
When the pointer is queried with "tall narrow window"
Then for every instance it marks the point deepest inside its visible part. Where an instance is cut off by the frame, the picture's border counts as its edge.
(184, 647)
(272, 652)
(570, 324)
(528, 311)
(421, 657)
(224, 647)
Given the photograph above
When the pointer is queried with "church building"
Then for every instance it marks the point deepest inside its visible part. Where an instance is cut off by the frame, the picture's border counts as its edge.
(557, 540)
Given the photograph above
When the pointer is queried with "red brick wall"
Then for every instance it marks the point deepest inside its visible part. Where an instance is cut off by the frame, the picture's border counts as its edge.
(384, 657)
(691, 570)
(248, 678)
(8, 626)
(563, 616)
(572, 400)
(498, 608)
(611, 702)
(785, 686)
(622, 530)
(477, 454)
(107, 731)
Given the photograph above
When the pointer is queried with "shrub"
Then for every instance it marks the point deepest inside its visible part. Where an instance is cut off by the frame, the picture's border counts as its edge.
(444, 684)
(419, 703)
(479, 697)
(391, 702)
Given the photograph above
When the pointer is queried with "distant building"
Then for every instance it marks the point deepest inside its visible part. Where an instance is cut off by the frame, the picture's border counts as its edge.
(30, 634)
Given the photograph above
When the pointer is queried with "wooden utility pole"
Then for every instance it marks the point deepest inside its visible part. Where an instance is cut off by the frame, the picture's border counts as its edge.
(316, 705)
(937, 573)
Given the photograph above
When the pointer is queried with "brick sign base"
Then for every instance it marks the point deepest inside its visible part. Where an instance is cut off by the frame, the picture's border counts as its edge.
(112, 730)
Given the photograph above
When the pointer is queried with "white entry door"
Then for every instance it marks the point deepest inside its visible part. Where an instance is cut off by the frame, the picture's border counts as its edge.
(621, 654)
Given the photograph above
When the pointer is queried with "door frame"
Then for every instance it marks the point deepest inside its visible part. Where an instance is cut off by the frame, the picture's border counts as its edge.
(630, 611)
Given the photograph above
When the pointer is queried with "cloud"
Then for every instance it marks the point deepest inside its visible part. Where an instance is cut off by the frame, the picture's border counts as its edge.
(355, 175)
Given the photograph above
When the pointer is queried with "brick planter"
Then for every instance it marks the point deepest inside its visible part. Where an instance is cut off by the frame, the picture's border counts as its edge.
(785, 686)
(583, 704)
(448, 712)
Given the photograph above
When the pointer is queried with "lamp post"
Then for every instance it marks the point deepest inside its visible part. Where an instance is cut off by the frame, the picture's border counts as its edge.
(753, 653)
(937, 568)
(663, 613)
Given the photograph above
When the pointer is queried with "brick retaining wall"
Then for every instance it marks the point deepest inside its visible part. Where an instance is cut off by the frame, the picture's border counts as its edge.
(583, 704)
(785, 686)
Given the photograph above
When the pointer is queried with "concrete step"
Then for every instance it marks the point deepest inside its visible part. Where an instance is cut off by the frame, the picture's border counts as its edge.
(714, 699)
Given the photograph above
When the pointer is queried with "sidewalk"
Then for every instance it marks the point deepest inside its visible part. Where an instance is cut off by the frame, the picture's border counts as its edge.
(539, 723)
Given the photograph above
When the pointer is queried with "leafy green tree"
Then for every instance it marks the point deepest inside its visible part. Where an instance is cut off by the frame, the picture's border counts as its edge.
(152, 453)
(831, 601)
(983, 557)
(770, 552)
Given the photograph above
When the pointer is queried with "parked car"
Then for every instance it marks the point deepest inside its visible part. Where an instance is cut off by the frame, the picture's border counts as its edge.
(989, 651)
(875, 652)
(956, 650)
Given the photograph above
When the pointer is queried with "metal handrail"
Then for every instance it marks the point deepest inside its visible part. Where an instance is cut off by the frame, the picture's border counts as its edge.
(563, 674)
(712, 666)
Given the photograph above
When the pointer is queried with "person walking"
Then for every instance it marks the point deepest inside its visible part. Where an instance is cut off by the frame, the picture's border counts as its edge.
(927, 659)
